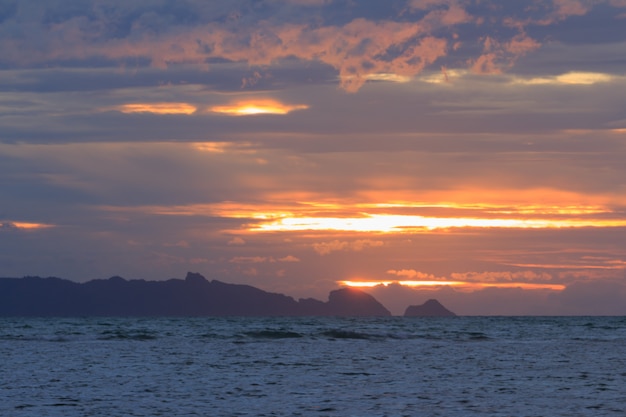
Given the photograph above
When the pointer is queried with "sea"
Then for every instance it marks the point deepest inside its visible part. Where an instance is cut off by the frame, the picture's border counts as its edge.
(313, 366)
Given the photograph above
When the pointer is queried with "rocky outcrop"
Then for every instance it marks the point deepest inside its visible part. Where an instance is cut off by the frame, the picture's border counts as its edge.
(354, 302)
(193, 296)
(431, 308)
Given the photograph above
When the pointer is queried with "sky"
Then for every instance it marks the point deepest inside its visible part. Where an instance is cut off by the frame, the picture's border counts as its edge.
(470, 151)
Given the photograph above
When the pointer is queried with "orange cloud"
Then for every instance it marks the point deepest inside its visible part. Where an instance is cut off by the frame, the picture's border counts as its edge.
(157, 108)
(8, 225)
(443, 12)
(502, 276)
(325, 248)
(249, 259)
(285, 213)
(257, 106)
(502, 55)
(566, 8)
(387, 223)
(615, 265)
(288, 258)
(358, 50)
(262, 259)
(569, 78)
(412, 274)
(237, 241)
(482, 279)
(223, 147)
(556, 11)
(467, 281)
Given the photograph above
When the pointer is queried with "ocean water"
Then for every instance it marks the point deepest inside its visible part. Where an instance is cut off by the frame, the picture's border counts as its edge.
(464, 366)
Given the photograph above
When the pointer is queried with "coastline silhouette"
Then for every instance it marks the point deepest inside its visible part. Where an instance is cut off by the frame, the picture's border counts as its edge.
(193, 296)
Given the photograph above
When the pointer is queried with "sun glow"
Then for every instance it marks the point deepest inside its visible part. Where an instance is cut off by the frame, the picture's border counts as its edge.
(398, 223)
(392, 217)
(570, 78)
(254, 107)
(459, 284)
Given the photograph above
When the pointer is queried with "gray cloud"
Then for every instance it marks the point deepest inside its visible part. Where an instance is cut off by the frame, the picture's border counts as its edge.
(263, 33)
(143, 194)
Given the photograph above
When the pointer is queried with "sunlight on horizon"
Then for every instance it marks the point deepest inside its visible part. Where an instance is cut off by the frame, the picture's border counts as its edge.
(386, 223)
(285, 216)
(460, 284)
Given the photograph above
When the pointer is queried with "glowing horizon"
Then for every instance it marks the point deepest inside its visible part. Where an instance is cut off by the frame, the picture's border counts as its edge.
(386, 223)
(467, 285)
(379, 218)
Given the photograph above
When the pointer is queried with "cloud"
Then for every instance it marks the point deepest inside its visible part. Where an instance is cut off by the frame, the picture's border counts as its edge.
(570, 78)
(415, 156)
(250, 272)
(288, 258)
(25, 226)
(262, 259)
(249, 259)
(157, 108)
(502, 276)
(356, 46)
(498, 56)
(179, 244)
(355, 49)
(325, 248)
(442, 12)
(567, 8)
(256, 106)
(236, 241)
(583, 78)
(413, 274)
(7, 227)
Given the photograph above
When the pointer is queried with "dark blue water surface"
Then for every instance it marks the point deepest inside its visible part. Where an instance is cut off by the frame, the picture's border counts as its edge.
(464, 366)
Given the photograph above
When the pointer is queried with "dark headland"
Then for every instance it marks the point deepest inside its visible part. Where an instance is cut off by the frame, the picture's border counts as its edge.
(193, 296)
(431, 308)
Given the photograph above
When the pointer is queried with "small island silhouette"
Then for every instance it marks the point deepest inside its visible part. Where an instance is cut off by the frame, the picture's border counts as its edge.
(431, 308)
(193, 296)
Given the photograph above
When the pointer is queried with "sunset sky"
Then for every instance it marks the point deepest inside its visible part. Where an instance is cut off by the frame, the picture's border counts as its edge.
(465, 150)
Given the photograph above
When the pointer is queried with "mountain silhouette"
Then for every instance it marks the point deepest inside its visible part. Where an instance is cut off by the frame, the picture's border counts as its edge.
(193, 296)
(431, 308)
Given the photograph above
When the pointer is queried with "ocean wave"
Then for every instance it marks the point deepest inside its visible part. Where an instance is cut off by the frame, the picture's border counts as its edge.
(273, 334)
